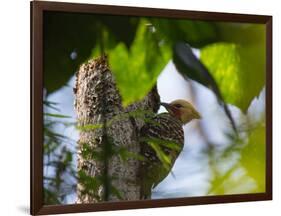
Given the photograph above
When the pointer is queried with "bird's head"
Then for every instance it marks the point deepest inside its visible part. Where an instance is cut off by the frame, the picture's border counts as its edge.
(182, 110)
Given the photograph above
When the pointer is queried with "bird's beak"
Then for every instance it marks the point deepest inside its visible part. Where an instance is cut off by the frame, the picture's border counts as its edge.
(196, 114)
(166, 105)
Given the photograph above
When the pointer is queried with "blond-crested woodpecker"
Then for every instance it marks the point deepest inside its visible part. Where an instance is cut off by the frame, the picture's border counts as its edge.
(163, 140)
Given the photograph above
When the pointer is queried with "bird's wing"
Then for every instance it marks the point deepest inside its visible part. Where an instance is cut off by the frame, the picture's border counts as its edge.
(165, 128)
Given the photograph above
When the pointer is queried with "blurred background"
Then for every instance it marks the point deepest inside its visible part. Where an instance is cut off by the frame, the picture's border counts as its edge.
(189, 59)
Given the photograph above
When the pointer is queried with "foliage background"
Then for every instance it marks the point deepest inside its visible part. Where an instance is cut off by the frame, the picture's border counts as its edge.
(139, 50)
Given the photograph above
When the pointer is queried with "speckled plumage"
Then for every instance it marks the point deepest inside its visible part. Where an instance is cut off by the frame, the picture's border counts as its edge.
(166, 128)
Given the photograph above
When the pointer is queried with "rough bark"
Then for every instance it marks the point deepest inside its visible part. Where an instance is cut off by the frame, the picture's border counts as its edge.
(98, 102)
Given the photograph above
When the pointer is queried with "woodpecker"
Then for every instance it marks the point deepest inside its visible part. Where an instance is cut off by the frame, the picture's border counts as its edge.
(162, 141)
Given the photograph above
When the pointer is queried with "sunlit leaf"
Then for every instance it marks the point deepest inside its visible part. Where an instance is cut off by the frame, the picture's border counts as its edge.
(164, 158)
(164, 143)
(229, 176)
(253, 157)
(136, 70)
(238, 66)
(89, 127)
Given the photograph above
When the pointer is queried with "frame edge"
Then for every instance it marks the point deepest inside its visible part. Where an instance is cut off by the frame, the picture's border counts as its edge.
(36, 60)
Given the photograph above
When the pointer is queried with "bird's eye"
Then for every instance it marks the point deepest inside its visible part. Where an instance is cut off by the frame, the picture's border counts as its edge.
(178, 105)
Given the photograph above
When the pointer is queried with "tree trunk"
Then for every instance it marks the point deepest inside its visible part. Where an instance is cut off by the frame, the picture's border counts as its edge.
(107, 132)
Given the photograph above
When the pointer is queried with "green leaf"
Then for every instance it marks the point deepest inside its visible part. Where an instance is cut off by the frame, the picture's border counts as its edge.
(165, 159)
(241, 167)
(50, 197)
(91, 184)
(50, 134)
(51, 105)
(56, 115)
(91, 153)
(238, 65)
(89, 127)
(114, 191)
(62, 36)
(68, 157)
(136, 70)
(165, 143)
(229, 176)
(253, 157)
(126, 154)
(223, 61)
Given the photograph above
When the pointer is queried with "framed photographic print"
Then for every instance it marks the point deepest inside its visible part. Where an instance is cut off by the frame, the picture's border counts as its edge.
(141, 107)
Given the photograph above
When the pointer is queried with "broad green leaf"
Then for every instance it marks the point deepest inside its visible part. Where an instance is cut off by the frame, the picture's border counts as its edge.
(238, 65)
(136, 70)
(253, 157)
(228, 64)
(223, 61)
